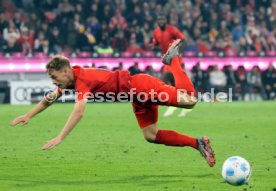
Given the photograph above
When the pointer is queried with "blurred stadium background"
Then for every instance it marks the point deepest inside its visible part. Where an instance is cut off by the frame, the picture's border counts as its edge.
(230, 44)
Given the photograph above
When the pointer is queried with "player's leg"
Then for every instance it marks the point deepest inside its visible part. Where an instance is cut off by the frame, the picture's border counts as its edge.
(147, 116)
(184, 112)
(164, 94)
(186, 90)
(168, 78)
(167, 137)
(170, 111)
(182, 80)
(173, 138)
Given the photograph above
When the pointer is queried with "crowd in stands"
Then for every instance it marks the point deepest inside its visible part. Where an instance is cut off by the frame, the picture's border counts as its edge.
(109, 26)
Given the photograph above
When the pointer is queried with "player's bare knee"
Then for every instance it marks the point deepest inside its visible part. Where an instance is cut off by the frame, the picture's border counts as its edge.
(187, 101)
(150, 132)
(192, 102)
(150, 138)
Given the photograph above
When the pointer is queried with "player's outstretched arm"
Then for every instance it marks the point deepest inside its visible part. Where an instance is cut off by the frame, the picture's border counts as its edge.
(42, 105)
(73, 120)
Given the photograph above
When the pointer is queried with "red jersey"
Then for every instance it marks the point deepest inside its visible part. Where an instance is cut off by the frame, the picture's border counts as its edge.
(99, 80)
(164, 38)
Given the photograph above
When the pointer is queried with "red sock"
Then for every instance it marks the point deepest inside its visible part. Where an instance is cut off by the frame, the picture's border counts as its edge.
(173, 138)
(182, 81)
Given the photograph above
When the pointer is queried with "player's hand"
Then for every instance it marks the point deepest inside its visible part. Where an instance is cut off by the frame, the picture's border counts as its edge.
(23, 120)
(52, 143)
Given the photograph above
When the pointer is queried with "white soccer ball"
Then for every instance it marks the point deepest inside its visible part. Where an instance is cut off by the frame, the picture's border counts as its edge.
(236, 170)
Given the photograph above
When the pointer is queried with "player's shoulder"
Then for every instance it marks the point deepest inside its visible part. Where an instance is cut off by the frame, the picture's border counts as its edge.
(171, 27)
(81, 69)
(156, 30)
(81, 72)
(76, 67)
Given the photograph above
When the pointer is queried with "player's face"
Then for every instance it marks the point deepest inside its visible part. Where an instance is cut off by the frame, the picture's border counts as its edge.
(62, 78)
(161, 23)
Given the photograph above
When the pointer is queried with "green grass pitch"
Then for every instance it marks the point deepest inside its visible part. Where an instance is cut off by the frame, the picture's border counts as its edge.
(106, 151)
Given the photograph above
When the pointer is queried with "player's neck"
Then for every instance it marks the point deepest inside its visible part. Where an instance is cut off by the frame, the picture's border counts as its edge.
(163, 28)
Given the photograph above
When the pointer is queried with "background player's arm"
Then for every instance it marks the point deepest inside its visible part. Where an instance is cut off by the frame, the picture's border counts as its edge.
(42, 105)
(73, 120)
(177, 33)
(155, 42)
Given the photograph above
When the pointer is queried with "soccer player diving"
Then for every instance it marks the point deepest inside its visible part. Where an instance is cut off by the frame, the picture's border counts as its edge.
(92, 80)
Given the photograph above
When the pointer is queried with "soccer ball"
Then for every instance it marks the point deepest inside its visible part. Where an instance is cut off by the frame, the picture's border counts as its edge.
(236, 170)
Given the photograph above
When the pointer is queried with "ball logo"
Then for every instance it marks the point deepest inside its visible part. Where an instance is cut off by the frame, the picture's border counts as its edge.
(244, 167)
(233, 159)
(229, 171)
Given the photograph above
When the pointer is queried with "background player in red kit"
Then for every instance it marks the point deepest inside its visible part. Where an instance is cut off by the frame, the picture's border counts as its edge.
(163, 36)
(91, 80)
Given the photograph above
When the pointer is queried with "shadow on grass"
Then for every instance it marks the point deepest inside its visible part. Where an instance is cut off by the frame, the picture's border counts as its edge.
(138, 180)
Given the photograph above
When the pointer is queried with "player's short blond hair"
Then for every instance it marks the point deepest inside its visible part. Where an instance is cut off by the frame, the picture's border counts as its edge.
(58, 62)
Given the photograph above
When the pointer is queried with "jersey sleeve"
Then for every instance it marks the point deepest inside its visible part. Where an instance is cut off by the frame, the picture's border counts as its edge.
(83, 93)
(177, 33)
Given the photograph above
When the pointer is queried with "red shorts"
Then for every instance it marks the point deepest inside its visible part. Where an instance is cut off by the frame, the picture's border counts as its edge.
(153, 92)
